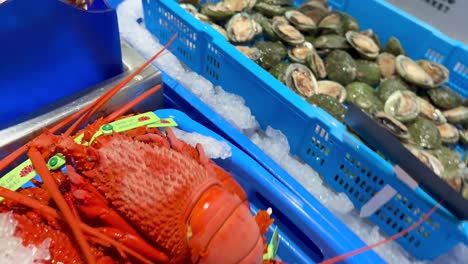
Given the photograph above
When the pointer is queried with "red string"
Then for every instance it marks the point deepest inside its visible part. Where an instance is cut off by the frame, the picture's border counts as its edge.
(385, 241)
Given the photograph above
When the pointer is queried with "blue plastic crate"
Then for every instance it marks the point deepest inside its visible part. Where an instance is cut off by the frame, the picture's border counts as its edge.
(320, 225)
(50, 46)
(298, 223)
(345, 163)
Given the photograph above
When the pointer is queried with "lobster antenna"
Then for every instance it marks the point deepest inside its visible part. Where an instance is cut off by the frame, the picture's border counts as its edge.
(131, 104)
(41, 167)
(385, 241)
(103, 99)
(22, 150)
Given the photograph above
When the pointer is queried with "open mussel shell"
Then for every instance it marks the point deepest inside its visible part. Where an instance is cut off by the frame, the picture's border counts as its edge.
(386, 62)
(217, 12)
(331, 22)
(314, 9)
(371, 34)
(412, 72)
(363, 44)
(448, 133)
(332, 89)
(428, 111)
(242, 28)
(299, 53)
(403, 105)
(329, 104)
(288, 33)
(457, 115)
(316, 64)
(300, 21)
(427, 158)
(251, 52)
(338, 23)
(300, 78)
(437, 71)
(394, 126)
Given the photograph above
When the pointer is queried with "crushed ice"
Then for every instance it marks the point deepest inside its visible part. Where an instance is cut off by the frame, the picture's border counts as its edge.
(213, 148)
(12, 250)
(271, 141)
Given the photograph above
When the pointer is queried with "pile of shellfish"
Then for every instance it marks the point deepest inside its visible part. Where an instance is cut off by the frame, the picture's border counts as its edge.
(327, 59)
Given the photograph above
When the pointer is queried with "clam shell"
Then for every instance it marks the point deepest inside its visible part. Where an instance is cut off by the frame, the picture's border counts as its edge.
(403, 105)
(300, 20)
(394, 126)
(365, 45)
(412, 72)
(438, 72)
(332, 89)
(299, 78)
(428, 159)
(448, 133)
(457, 115)
(299, 53)
(386, 62)
(288, 33)
(242, 28)
(316, 64)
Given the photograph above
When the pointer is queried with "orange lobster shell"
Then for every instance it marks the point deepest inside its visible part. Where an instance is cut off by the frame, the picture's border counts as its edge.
(140, 197)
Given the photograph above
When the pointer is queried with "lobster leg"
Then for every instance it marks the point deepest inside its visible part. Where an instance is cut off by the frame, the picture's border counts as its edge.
(94, 205)
(93, 208)
(42, 169)
(135, 243)
(155, 139)
(181, 146)
(46, 210)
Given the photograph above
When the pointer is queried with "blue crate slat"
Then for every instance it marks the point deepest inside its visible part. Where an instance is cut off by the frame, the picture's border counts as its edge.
(51, 46)
(330, 234)
(303, 228)
(346, 164)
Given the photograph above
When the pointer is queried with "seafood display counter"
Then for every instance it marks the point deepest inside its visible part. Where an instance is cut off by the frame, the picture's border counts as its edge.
(350, 49)
(306, 234)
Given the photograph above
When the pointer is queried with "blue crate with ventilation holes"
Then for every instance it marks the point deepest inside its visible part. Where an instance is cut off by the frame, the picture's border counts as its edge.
(345, 163)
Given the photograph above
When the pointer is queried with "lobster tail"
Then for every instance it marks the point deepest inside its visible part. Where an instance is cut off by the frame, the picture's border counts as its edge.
(220, 225)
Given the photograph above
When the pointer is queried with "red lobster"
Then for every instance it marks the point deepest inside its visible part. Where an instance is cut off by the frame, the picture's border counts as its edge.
(139, 196)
